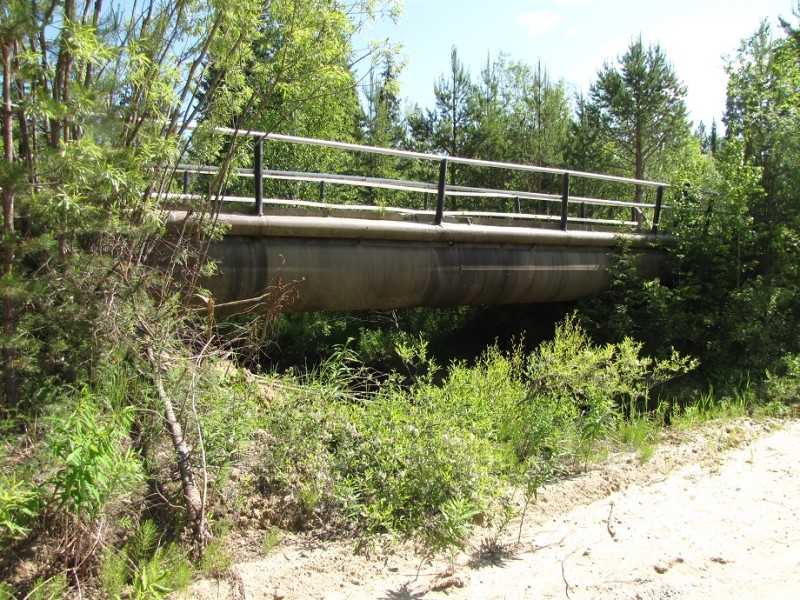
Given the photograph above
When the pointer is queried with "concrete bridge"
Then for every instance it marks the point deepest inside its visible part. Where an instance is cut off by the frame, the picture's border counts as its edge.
(353, 257)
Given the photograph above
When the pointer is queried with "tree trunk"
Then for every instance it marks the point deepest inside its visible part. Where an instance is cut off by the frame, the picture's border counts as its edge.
(9, 326)
(639, 158)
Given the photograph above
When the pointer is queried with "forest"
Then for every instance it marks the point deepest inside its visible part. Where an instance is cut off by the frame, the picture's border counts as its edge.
(137, 434)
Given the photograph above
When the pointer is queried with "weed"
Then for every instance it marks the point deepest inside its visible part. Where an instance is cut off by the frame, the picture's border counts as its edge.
(18, 506)
(448, 530)
(143, 542)
(114, 572)
(709, 407)
(144, 569)
(783, 387)
(271, 540)
(640, 432)
(95, 464)
(417, 454)
(150, 581)
(646, 452)
(309, 499)
(216, 560)
(537, 473)
(53, 588)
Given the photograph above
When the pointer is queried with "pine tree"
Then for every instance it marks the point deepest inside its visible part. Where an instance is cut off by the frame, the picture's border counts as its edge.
(713, 138)
(456, 110)
(642, 107)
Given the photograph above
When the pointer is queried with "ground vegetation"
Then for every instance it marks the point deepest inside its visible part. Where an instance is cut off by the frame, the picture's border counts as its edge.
(138, 430)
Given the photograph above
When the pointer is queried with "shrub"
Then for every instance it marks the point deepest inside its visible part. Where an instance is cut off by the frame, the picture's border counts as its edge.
(784, 386)
(95, 460)
(407, 453)
(19, 504)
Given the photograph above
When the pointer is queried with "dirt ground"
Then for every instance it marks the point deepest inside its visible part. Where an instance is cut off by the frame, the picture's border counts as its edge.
(713, 513)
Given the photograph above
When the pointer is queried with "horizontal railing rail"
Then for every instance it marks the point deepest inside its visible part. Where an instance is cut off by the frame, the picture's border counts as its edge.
(440, 188)
(384, 210)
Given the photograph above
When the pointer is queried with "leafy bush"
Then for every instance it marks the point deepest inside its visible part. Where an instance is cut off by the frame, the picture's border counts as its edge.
(95, 459)
(574, 383)
(784, 386)
(405, 459)
(394, 453)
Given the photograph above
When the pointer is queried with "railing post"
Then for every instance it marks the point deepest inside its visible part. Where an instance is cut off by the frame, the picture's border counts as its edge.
(437, 220)
(518, 205)
(186, 182)
(425, 201)
(258, 173)
(657, 210)
(564, 201)
(321, 191)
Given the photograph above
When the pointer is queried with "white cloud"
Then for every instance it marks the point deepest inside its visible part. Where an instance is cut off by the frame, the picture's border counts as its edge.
(540, 22)
(571, 32)
(573, 2)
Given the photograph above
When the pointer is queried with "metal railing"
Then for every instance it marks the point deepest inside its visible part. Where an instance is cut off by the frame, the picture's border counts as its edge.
(440, 187)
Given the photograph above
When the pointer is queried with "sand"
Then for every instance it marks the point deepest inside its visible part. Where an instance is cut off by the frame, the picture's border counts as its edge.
(713, 513)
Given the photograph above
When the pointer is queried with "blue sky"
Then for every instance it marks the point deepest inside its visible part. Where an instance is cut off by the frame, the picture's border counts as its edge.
(573, 38)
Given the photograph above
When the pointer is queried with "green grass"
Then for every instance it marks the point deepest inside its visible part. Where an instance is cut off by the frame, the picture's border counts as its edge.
(640, 433)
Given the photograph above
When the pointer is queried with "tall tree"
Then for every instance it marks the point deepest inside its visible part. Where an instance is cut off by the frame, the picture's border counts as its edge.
(713, 137)
(522, 116)
(540, 119)
(456, 112)
(763, 96)
(383, 123)
(298, 80)
(642, 108)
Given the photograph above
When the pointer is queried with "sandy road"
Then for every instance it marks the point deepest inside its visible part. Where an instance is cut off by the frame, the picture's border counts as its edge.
(698, 520)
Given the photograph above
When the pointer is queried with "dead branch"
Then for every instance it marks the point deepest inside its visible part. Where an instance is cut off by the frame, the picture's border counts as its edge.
(191, 493)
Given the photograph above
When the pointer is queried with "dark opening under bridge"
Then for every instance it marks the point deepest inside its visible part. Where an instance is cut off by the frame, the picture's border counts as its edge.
(356, 256)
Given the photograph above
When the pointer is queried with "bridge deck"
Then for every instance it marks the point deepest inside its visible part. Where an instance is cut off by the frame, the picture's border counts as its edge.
(354, 264)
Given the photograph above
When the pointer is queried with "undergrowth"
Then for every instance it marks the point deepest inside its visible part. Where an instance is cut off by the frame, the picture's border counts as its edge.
(424, 452)
(429, 451)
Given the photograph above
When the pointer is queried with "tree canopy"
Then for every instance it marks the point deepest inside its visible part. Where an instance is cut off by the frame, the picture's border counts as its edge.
(641, 107)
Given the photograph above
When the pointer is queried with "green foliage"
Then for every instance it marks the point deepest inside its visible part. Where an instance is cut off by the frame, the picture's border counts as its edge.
(305, 339)
(523, 117)
(634, 305)
(406, 461)
(271, 540)
(424, 453)
(19, 505)
(145, 569)
(641, 107)
(572, 380)
(711, 406)
(113, 572)
(224, 405)
(216, 560)
(95, 462)
(640, 431)
(49, 589)
(6, 591)
(784, 386)
(732, 315)
(456, 108)
(450, 529)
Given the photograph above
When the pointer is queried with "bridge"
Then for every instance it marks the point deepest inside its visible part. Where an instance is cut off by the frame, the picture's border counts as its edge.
(438, 250)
